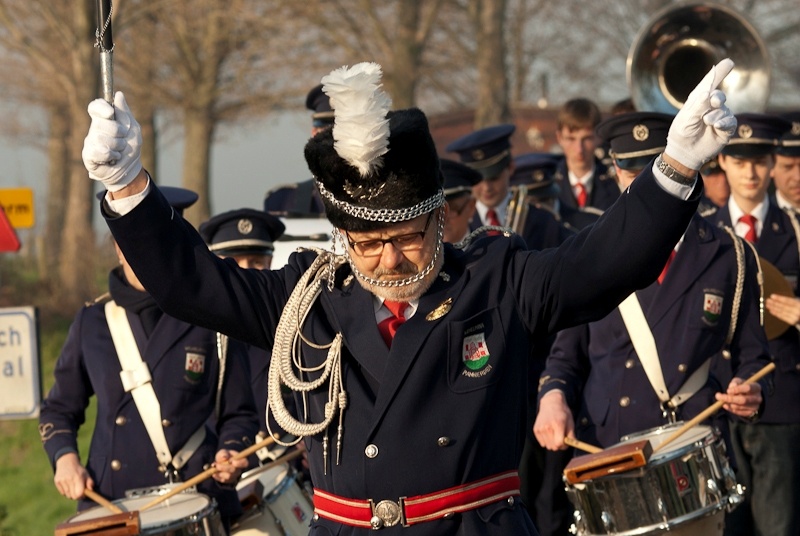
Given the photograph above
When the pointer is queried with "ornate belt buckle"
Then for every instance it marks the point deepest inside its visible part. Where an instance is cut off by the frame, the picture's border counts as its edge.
(386, 514)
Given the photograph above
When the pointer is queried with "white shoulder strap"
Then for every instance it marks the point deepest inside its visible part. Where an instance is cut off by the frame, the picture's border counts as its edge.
(136, 379)
(645, 345)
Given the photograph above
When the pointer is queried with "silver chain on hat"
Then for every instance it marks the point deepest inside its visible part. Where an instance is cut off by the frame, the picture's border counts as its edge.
(388, 215)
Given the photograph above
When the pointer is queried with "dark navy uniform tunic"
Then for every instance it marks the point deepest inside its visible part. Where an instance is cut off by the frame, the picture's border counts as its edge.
(420, 419)
(778, 245)
(604, 188)
(689, 315)
(542, 229)
(121, 456)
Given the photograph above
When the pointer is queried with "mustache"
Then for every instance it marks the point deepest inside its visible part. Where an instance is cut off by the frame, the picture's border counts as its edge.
(403, 269)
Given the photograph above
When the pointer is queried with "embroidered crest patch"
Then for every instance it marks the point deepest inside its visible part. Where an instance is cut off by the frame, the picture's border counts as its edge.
(475, 353)
(195, 365)
(712, 307)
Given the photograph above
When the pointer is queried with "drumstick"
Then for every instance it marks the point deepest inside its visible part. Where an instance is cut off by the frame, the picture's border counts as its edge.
(712, 409)
(586, 447)
(211, 470)
(99, 499)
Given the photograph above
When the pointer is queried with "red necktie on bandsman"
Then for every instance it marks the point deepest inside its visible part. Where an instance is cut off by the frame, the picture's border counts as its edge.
(666, 267)
(750, 221)
(388, 326)
(492, 219)
(581, 195)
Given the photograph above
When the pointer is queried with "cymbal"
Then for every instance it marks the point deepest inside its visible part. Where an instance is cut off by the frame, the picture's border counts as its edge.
(774, 283)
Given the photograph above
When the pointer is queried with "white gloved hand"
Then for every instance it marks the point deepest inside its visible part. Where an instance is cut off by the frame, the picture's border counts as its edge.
(112, 150)
(704, 125)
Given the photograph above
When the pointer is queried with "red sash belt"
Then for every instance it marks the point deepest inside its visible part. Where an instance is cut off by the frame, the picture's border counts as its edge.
(368, 513)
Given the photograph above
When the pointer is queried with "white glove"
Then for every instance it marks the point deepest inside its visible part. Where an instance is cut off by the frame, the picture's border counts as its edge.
(112, 150)
(704, 125)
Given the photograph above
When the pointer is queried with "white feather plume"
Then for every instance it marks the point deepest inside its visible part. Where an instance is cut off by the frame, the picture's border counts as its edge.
(360, 128)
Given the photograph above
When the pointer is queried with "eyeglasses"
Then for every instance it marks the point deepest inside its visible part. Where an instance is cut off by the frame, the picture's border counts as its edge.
(404, 242)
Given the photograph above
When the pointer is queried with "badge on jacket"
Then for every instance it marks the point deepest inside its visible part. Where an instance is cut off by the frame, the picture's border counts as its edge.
(712, 308)
(475, 354)
(195, 365)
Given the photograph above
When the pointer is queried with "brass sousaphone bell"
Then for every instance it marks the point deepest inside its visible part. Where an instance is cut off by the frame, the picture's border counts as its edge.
(679, 45)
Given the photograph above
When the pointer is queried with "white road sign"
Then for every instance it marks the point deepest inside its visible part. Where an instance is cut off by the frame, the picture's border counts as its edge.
(20, 379)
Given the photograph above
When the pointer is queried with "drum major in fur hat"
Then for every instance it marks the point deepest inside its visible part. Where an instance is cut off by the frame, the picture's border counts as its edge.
(375, 167)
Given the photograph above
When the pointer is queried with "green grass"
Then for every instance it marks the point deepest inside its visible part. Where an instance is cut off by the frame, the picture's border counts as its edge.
(32, 504)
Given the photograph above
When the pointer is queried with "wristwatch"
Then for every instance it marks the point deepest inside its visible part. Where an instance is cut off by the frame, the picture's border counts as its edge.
(672, 173)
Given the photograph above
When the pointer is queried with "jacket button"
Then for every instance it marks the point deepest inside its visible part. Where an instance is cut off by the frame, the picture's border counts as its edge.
(121, 420)
(116, 465)
(166, 423)
(584, 421)
(681, 368)
(624, 401)
(371, 451)
(629, 363)
(443, 441)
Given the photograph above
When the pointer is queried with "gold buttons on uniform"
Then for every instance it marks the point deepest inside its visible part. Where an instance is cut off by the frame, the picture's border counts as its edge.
(624, 401)
(116, 465)
(166, 423)
(629, 363)
(681, 368)
(443, 441)
(371, 451)
(121, 420)
(584, 421)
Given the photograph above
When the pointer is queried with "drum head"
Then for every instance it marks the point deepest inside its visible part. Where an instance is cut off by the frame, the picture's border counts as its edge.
(658, 435)
(172, 512)
(270, 478)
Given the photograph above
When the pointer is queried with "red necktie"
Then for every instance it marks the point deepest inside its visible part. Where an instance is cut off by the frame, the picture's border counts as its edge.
(581, 195)
(388, 326)
(666, 266)
(491, 219)
(750, 221)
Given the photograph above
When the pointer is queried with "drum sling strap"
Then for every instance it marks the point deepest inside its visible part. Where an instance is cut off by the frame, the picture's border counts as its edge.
(136, 379)
(645, 345)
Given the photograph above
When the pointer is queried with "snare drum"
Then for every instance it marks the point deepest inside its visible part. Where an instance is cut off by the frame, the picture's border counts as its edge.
(185, 514)
(285, 509)
(689, 482)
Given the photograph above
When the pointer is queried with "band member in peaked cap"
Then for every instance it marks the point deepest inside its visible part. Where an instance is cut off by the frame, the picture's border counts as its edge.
(488, 151)
(459, 179)
(772, 489)
(190, 385)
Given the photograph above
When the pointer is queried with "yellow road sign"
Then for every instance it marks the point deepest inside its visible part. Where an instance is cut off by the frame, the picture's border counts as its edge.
(18, 205)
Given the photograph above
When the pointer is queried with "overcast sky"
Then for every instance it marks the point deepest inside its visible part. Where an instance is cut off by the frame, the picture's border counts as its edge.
(244, 163)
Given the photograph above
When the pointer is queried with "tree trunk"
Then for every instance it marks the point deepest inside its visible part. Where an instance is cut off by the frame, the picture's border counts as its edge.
(492, 105)
(58, 168)
(199, 131)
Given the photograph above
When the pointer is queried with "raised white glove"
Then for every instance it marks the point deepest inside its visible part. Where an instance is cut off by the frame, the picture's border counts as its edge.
(704, 125)
(112, 150)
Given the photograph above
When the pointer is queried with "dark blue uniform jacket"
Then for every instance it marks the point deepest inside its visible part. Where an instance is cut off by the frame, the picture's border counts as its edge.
(431, 421)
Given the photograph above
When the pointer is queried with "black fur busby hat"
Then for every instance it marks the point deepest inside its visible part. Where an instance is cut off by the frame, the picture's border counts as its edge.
(375, 167)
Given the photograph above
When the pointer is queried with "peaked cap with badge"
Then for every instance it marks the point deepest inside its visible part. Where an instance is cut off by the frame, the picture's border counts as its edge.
(536, 171)
(375, 167)
(789, 144)
(487, 150)
(319, 103)
(458, 178)
(245, 231)
(635, 138)
(756, 135)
